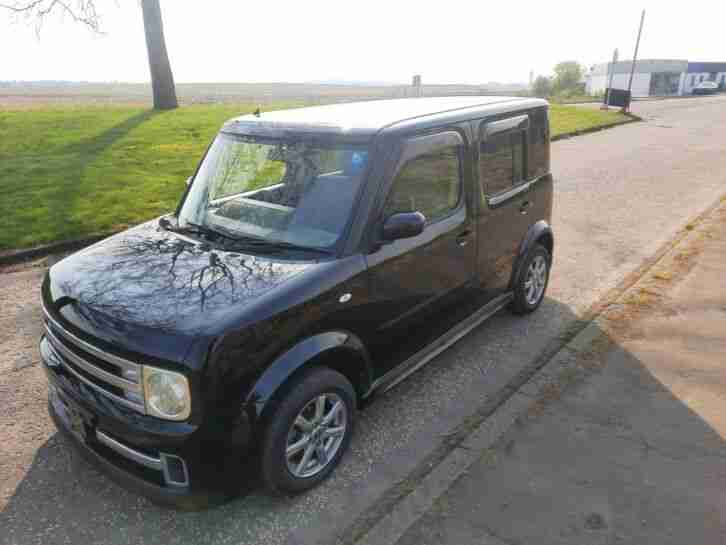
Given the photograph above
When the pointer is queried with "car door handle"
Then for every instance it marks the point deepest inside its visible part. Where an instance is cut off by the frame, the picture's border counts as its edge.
(525, 206)
(462, 239)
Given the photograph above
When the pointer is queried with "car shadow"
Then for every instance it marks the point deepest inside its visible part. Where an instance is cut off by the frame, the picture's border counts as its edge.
(402, 433)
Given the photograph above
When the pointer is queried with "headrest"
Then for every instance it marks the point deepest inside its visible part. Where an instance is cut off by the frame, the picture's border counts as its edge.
(354, 162)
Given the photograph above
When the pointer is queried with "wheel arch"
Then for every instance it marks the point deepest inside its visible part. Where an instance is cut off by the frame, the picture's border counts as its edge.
(539, 232)
(342, 351)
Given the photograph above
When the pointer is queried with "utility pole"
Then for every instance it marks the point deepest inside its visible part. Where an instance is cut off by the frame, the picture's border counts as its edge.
(635, 54)
(610, 76)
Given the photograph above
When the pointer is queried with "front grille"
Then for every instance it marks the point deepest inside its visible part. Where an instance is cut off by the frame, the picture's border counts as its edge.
(110, 375)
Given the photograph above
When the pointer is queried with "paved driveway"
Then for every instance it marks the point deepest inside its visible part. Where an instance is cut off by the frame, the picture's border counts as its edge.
(620, 194)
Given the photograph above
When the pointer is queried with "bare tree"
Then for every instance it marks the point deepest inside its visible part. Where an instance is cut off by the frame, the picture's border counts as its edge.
(84, 12)
(80, 11)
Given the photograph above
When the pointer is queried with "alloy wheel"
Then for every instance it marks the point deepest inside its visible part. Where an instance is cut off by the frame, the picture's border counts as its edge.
(535, 280)
(316, 435)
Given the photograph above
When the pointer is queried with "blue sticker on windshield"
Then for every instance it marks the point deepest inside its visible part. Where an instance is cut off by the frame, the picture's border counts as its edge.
(358, 160)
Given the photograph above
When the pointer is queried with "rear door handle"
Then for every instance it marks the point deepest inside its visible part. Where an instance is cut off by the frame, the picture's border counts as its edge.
(462, 239)
(526, 205)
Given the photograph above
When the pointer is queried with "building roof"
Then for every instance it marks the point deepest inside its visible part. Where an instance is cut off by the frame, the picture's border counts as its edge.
(706, 67)
(642, 66)
(371, 116)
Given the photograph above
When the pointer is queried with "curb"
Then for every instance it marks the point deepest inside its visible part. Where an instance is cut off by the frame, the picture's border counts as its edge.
(533, 388)
(392, 527)
(536, 391)
(21, 256)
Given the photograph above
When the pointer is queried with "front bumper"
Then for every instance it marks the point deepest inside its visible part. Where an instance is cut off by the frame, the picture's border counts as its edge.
(179, 498)
(173, 464)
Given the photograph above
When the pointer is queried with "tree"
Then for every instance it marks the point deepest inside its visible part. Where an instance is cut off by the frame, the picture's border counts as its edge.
(162, 80)
(542, 87)
(85, 13)
(568, 75)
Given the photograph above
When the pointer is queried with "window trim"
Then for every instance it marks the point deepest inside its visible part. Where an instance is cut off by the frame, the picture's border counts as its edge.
(418, 146)
(421, 145)
(504, 196)
(519, 122)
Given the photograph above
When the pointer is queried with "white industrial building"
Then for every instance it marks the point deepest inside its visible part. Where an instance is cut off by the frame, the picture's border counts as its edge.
(656, 77)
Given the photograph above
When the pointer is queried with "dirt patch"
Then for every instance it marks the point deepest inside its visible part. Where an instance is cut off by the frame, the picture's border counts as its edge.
(651, 294)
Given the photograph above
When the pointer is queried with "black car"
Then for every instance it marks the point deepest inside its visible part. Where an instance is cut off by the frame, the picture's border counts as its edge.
(317, 257)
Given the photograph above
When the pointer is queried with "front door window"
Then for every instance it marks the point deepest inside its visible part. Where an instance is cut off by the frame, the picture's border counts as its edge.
(429, 184)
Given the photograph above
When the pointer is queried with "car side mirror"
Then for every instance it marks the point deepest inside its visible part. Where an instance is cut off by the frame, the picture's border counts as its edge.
(403, 225)
(189, 180)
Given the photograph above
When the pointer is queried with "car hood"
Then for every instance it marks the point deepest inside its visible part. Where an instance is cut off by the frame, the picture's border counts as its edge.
(149, 282)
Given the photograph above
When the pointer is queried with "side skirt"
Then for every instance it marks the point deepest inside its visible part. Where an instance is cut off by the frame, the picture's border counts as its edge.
(429, 352)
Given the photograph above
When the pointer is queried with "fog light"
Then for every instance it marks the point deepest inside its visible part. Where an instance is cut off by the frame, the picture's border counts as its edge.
(175, 470)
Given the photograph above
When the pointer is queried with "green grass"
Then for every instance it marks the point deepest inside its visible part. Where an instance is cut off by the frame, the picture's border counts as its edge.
(567, 119)
(73, 172)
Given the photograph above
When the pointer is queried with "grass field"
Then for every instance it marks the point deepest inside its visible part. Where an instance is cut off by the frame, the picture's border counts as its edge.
(71, 172)
(568, 119)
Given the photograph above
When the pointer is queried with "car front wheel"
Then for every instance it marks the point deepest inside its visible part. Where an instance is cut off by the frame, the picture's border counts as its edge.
(530, 287)
(308, 432)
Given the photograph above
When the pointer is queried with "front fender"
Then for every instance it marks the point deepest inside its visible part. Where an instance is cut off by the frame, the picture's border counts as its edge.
(301, 354)
(539, 231)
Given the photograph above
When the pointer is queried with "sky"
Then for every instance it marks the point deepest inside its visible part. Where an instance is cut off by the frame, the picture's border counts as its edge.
(382, 41)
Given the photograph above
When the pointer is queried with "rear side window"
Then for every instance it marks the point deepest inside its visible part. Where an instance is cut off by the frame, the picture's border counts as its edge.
(502, 161)
(429, 183)
(538, 143)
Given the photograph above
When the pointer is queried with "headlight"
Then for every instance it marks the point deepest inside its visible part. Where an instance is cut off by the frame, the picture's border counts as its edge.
(166, 394)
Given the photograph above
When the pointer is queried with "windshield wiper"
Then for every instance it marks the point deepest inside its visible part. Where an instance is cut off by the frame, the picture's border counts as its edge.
(203, 229)
(174, 227)
(195, 229)
(272, 245)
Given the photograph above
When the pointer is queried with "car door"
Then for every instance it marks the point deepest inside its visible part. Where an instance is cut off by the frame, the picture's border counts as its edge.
(415, 280)
(505, 200)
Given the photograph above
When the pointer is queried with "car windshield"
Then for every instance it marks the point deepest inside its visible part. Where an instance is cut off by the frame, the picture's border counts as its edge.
(280, 191)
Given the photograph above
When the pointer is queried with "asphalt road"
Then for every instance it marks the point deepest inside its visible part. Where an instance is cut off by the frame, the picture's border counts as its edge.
(619, 195)
(636, 453)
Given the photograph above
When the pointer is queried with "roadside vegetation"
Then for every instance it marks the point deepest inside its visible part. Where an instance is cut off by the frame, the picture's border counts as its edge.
(570, 119)
(68, 173)
(565, 86)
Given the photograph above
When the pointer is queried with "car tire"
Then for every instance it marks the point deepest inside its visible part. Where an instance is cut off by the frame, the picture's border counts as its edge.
(283, 474)
(531, 284)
